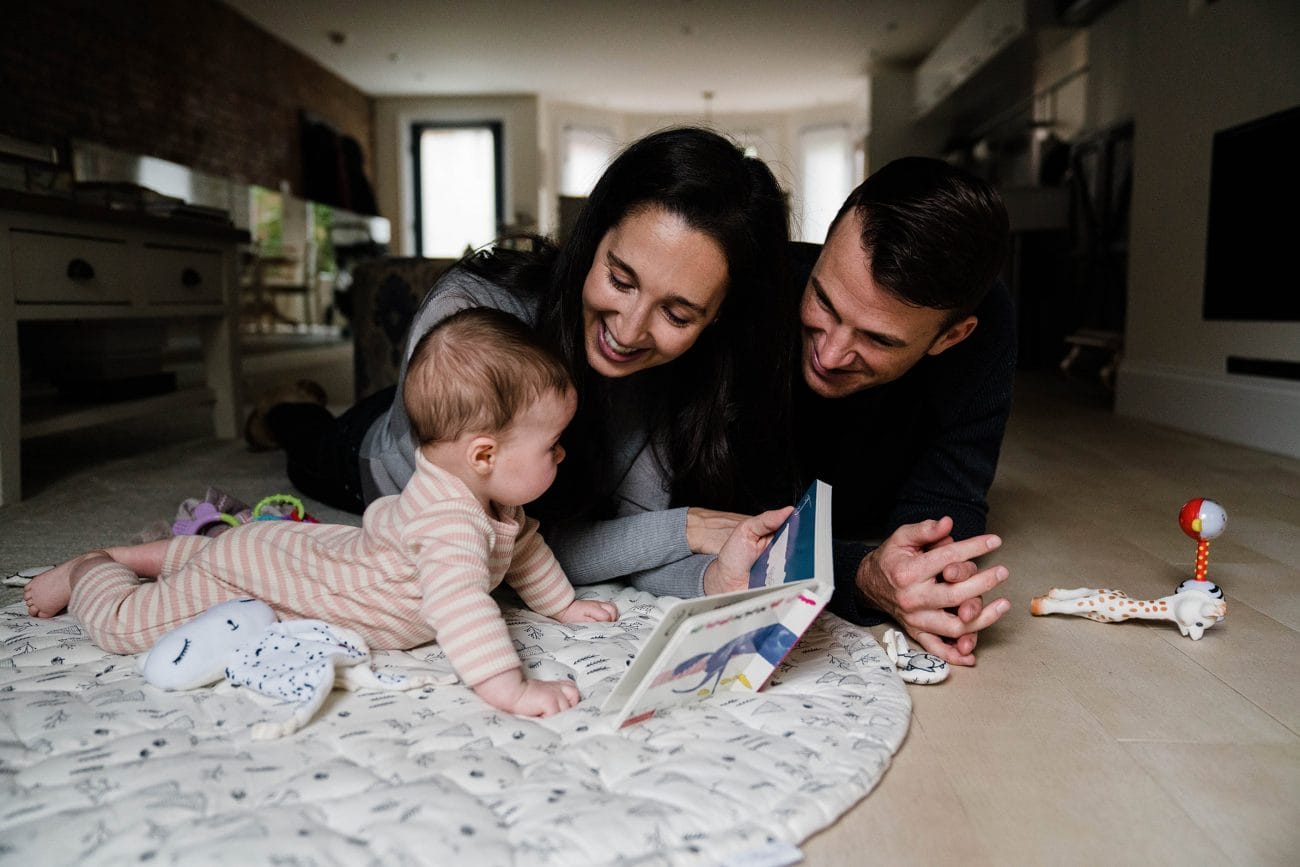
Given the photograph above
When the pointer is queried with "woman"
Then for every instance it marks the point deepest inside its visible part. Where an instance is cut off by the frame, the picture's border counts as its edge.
(665, 303)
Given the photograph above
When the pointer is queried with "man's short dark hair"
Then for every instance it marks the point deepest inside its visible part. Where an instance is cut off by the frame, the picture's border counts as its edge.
(935, 235)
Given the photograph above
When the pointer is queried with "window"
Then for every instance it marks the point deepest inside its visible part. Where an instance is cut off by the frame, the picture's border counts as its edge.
(458, 187)
(586, 151)
(826, 175)
(266, 212)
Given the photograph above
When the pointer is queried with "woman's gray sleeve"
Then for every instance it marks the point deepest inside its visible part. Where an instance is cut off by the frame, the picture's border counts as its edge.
(646, 549)
(684, 577)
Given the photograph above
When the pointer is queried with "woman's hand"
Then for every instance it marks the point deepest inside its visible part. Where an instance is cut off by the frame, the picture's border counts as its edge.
(707, 530)
(742, 548)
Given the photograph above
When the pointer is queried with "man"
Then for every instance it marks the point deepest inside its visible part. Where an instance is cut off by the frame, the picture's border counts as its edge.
(907, 356)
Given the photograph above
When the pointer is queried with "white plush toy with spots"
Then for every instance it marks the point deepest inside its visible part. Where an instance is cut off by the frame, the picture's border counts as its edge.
(298, 661)
(195, 653)
(914, 666)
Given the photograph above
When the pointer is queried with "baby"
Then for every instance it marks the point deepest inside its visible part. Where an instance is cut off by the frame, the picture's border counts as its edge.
(487, 404)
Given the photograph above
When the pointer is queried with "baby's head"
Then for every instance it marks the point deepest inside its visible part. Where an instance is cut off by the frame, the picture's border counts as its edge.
(486, 397)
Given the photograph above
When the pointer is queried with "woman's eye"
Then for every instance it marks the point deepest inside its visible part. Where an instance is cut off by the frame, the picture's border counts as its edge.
(679, 321)
(621, 285)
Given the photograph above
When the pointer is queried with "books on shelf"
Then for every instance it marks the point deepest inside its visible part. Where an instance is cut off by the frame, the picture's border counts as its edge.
(125, 196)
(734, 641)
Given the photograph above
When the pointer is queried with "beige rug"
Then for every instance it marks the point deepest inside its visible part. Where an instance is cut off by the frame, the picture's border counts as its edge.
(102, 486)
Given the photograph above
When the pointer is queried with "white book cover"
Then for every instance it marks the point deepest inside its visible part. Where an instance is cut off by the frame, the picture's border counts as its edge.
(734, 641)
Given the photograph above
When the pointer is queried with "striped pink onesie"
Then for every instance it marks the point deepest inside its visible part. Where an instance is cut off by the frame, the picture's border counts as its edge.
(420, 567)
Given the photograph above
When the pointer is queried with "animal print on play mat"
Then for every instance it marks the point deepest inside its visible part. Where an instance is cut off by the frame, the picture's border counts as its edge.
(100, 767)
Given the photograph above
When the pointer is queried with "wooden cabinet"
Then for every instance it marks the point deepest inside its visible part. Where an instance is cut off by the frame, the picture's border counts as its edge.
(183, 275)
(991, 28)
(51, 267)
(65, 263)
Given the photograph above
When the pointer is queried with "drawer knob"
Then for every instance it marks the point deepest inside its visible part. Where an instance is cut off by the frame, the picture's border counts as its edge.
(191, 277)
(80, 270)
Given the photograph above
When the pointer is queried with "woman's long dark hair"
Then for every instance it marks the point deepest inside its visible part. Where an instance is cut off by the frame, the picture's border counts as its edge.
(728, 395)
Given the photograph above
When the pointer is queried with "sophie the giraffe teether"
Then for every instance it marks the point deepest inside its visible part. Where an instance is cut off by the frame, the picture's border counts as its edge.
(1195, 606)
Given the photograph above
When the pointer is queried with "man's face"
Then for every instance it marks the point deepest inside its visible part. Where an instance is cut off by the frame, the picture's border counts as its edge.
(856, 334)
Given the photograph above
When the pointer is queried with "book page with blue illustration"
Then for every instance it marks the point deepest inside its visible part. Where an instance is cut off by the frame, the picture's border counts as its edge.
(734, 641)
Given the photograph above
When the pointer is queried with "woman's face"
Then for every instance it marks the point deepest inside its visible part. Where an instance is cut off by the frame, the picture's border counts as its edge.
(654, 286)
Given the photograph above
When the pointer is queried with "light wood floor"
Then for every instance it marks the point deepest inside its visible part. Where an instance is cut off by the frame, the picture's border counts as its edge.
(1074, 742)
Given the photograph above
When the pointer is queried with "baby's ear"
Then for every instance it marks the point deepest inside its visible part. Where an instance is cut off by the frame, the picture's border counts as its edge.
(482, 454)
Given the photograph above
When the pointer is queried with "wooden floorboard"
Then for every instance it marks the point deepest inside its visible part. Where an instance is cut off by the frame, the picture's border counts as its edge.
(1074, 742)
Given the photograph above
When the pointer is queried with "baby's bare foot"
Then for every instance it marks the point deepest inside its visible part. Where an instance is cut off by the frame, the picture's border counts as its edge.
(48, 593)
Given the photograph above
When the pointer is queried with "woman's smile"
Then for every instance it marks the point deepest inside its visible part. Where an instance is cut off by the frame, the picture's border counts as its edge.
(615, 350)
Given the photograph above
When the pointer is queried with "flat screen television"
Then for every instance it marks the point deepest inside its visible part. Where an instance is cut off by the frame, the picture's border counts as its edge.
(1254, 221)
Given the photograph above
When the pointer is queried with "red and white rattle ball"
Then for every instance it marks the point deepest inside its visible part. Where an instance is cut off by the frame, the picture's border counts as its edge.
(1203, 520)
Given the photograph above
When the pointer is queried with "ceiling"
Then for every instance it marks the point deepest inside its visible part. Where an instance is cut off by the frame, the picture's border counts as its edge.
(622, 55)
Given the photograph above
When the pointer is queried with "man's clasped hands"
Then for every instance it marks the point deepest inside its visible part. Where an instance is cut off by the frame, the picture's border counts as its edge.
(919, 576)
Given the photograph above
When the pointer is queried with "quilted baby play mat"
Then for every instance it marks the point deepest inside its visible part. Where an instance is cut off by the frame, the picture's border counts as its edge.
(100, 767)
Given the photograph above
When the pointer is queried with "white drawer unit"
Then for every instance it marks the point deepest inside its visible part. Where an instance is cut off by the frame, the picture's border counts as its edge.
(122, 273)
(68, 269)
(179, 275)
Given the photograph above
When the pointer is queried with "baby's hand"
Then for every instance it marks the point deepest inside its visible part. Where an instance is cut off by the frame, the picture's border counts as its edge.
(510, 691)
(588, 610)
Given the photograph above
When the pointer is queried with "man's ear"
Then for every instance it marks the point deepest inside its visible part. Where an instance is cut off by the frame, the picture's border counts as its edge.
(952, 335)
(481, 454)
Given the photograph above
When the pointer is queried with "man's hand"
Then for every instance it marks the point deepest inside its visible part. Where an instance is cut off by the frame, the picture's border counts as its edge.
(919, 572)
(743, 547)
(707, 530)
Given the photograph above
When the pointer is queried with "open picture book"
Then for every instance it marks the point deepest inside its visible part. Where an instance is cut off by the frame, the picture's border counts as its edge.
(734, 641)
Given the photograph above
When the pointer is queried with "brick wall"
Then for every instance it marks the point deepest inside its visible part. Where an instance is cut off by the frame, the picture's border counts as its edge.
(189, 81)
